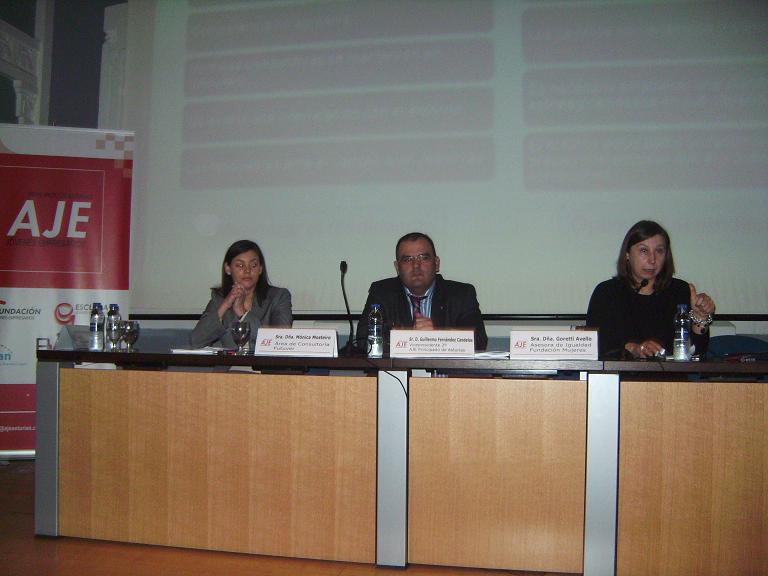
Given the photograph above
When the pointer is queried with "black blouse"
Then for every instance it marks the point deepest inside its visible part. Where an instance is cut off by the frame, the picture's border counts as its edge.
(623, 315)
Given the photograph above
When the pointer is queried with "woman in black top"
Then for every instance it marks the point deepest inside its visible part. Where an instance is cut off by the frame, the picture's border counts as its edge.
(634, 311)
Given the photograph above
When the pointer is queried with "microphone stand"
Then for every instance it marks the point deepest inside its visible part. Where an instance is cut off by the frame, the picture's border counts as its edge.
(350, 348)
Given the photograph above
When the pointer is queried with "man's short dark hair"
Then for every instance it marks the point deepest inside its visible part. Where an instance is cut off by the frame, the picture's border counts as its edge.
(412, 237)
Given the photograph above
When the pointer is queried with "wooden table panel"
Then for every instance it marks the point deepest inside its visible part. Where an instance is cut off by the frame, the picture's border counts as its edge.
(693, 479)
(497, 473)
(148, 460)
(279, 465)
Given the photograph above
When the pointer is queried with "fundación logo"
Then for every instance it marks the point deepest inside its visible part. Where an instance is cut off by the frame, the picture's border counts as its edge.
(11, 312)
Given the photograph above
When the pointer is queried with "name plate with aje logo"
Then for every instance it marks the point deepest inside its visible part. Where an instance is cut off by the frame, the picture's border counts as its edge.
(432, 344)
(553, 344)
(296, 342)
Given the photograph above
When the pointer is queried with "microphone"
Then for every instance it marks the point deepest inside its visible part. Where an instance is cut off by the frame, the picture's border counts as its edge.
(350, 346)
(643, 284)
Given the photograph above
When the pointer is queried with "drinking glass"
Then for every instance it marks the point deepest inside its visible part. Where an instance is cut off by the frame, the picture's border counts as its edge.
(115, 334)
(130, 333)
(241, 332)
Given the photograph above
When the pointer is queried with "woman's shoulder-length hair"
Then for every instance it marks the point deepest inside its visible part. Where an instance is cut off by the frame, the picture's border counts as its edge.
(237, 248)
(637, 233)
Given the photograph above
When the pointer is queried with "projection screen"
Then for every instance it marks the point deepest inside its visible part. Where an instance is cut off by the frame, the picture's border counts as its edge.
(524, 137)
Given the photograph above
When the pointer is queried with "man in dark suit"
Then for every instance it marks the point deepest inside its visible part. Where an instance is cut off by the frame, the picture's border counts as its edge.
(421, 298)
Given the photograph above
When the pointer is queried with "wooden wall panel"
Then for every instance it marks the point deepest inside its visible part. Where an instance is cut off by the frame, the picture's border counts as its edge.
(497, 473)
(693, 479)
(279, 465)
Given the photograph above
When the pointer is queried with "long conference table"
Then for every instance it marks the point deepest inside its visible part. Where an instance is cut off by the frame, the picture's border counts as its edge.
(590, 467)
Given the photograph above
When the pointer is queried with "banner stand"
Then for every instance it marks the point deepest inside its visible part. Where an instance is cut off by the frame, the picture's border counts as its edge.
(65, 221)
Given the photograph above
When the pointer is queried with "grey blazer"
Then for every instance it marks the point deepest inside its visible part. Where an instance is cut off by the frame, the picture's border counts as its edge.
(275, 312)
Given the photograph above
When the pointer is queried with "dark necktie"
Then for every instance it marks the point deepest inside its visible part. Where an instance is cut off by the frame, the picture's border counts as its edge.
(416, 302)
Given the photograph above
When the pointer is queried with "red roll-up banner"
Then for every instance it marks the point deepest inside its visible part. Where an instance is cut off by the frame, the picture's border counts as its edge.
(65, 222)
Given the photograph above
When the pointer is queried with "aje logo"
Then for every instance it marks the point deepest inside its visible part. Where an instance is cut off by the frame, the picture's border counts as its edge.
(65, 223)
(27, 219)
(52, 220)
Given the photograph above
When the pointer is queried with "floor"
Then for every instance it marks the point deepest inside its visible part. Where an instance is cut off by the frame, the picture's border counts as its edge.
(24, 554)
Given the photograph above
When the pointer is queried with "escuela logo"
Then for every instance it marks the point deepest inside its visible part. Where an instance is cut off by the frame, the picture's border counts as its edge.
(64, 313)
(67, 313)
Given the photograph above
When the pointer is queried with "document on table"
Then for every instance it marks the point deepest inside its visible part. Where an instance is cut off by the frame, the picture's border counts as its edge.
(206, 350)
(492, 355)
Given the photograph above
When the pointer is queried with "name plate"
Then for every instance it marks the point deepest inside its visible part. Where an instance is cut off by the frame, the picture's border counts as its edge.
(432, 344)
(296, 342)
(553, 344)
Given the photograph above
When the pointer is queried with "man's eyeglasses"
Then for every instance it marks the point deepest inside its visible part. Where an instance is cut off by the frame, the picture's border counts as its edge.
(420, 258)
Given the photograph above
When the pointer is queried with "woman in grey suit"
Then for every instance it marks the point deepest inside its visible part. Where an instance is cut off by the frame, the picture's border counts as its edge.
(244, 293)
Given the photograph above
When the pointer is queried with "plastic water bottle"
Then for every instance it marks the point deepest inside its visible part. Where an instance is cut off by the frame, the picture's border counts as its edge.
(681, 343)
(375, 332)
(113, 321)
(97, 327)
